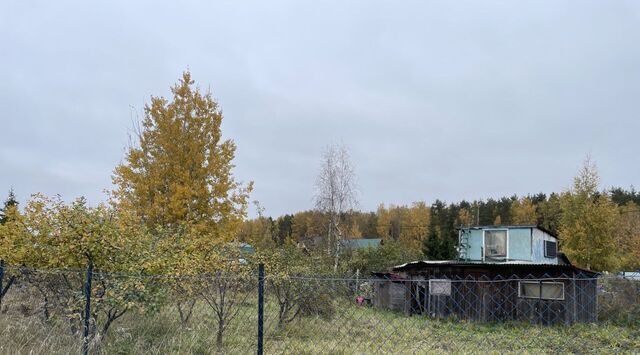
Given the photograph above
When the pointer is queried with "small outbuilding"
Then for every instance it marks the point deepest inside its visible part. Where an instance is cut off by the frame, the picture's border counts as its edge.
(512, 273)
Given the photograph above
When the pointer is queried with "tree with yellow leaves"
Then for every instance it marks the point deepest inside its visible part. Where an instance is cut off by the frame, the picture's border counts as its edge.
(465, 217)
(52, 234)
(523, 211)
(12, 249)
(177, 178)
(415, 228)
(588, 223)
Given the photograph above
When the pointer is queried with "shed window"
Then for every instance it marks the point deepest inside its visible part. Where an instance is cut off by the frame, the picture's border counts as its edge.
(440, 287)
(495, 244)
(550, 290)
(550, 249)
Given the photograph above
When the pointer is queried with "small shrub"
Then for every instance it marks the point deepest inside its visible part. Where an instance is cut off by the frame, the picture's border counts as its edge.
(619, 301)
(317, 303)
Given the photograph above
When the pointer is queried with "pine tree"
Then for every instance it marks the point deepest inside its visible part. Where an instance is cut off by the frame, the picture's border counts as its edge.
(431, 244)
(550, 213)
(9, 203)
(439, 243)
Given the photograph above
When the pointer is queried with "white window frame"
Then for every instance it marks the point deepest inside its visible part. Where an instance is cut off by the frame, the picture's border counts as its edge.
(439, 280)
(484, 248)
(538, 283)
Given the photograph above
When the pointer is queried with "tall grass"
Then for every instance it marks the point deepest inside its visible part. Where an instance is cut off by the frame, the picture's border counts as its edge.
(351, 330)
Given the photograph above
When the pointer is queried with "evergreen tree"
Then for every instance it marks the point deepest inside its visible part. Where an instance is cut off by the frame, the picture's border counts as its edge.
(368, 225)
(549, 213)
(622, 196)
(9, 203)
(285, 229)
(431, 244)
(441, 238)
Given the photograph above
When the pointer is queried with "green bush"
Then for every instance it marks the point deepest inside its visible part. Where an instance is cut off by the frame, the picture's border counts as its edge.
(317, 303)
(619, 301)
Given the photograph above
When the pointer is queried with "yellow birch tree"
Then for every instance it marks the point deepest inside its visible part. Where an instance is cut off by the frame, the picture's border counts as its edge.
(588, 223)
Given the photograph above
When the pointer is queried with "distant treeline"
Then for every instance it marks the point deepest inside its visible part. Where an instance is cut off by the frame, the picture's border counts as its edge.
(427, 229)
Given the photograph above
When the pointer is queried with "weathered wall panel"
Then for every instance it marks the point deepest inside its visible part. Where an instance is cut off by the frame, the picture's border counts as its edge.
(519, 244)
(538, 248)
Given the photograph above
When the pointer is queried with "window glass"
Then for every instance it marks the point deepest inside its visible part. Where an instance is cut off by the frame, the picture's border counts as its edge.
(530, 289)
(495, 244)
(550, 290)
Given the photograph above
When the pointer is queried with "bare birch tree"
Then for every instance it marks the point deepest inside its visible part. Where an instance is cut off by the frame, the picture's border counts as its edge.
(336, 193)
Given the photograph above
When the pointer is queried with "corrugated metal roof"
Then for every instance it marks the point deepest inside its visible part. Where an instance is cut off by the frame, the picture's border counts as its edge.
(458, 262)
(501, 226)
(514, 263)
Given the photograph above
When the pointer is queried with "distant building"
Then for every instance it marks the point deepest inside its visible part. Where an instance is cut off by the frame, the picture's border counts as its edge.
(247, 248)
(629, 275)
(503, 273)
(360, 243)
(508, 243)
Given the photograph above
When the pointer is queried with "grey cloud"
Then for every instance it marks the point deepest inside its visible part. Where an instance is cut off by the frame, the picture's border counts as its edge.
(436, 99)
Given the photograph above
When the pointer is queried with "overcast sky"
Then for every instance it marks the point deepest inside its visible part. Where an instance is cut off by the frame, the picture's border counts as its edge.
(435, 99)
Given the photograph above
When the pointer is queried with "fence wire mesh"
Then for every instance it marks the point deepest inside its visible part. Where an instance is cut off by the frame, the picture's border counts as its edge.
(43, 311)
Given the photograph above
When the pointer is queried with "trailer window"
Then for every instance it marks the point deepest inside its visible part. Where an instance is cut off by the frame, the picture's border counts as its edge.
(541, 290)
(495, 244)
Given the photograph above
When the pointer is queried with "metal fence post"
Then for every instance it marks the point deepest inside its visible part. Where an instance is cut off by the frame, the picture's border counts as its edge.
(540, 313)
(1, 279)
(87, 309)
(260, 308)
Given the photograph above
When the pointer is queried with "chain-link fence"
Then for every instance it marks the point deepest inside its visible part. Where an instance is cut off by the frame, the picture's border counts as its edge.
(45, 311)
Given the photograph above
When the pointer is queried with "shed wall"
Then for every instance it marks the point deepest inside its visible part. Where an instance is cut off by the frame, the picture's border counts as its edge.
(475, 245)
(486, 294)
(538, 248)
(520, 244)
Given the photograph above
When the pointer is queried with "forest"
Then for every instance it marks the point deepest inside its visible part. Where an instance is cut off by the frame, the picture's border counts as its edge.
(423, 230)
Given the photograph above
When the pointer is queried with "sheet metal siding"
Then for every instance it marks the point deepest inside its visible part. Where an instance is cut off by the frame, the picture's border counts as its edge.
(475, 245)
(526, 244)
(520, 244)
(538, 248)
